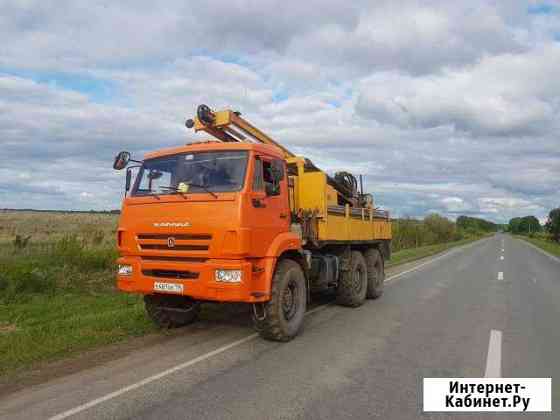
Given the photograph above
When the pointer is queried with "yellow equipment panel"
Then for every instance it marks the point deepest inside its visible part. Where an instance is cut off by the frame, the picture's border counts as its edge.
(312, 194)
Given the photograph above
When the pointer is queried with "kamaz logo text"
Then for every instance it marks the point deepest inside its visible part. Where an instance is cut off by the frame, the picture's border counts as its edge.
(172, 224)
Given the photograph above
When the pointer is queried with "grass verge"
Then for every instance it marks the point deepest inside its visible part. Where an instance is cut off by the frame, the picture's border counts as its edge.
(51, 327)
(546, 245)
(412, 254)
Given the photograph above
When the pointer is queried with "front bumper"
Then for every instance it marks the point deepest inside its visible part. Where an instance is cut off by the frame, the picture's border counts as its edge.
(252, 288)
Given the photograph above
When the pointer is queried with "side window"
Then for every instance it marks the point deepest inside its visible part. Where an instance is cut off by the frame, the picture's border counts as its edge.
(273, 173)
(278, 168)
(258, 181)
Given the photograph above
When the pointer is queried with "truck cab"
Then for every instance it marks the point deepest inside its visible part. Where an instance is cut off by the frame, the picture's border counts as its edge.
(211, 216)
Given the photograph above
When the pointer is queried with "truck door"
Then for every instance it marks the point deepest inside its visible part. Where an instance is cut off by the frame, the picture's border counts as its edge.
(269, 208)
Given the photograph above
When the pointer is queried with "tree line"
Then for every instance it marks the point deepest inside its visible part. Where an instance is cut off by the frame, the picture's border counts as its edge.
(524, 225)
(475, 224)
(434, 229)
(530, 225)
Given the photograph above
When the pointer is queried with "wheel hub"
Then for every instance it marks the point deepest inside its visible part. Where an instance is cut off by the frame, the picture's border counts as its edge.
(289, 300)
(358, 280)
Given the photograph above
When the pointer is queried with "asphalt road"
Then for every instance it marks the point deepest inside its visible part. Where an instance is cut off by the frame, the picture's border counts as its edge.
(434, 320)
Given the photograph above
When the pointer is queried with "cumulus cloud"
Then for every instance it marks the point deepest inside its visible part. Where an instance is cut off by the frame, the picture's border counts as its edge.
(447, 107)
(511, 94)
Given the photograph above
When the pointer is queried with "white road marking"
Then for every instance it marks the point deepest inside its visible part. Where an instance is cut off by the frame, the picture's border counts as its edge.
(152, 378)
(502, 249)
(212, 353)
(501, 275)
(494, 357)
(501, 257)
(534, 280)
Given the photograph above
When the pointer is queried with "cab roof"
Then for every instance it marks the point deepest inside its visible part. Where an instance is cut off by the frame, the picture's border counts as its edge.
(213, 145)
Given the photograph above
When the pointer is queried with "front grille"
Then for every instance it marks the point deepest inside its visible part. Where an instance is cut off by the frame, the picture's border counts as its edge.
(176, 247)
(194, 245)
(171, 274)
(180, 237)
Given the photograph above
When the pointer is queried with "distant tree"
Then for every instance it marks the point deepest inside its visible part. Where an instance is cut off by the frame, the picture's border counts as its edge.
(513, 225)
(440, 227)
(553, 224)
(530, 224)
(475, 224)
(524, 225)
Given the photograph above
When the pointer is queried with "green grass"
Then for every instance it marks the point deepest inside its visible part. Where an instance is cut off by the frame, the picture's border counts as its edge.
(546, 245)
(412, 254)
(51, 327)
(58, 297)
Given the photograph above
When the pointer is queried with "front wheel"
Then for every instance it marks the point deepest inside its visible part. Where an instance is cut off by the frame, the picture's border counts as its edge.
(282, 316)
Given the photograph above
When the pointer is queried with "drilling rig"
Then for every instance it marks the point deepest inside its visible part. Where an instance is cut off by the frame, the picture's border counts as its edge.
(240, 218)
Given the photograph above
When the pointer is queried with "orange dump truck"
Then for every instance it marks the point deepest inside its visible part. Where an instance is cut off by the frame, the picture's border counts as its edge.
(242, 219)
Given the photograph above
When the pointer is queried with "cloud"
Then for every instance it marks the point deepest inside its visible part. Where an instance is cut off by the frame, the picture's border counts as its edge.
(442, 107)
(509, 95)
(337, 35)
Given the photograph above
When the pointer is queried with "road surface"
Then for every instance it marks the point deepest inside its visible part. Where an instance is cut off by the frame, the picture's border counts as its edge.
(436, 319)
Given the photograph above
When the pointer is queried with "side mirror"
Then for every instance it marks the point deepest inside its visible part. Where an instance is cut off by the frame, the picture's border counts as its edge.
(128, 179)
(121, 160)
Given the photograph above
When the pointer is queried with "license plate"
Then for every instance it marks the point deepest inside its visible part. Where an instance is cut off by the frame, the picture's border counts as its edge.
(168, 287)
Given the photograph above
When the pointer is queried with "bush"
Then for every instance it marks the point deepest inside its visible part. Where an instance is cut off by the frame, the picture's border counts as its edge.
(20, 242)
(49, 268)
(434, 229)
(24, 279)
(442, 229)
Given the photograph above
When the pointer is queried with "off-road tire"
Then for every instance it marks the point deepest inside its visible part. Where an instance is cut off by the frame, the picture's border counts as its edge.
(160, 309)
(375, 273)
(288, 287)
(352, 286)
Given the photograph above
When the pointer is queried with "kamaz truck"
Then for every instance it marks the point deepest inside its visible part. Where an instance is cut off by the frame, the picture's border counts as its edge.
(239, 218)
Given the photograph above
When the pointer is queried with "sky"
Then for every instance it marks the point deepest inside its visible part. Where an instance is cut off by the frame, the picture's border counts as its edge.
(447, 107)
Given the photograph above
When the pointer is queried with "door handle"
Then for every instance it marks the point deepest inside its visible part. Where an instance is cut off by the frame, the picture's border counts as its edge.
(257, 203)
(283, 215)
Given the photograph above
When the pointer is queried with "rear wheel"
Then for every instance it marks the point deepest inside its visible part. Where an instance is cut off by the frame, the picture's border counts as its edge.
(352, 286)
(375, 273)
(170, 311)
(282, 316)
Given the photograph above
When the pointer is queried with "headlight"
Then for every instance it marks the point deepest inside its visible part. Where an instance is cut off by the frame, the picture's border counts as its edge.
(229, 276)
(125, 270)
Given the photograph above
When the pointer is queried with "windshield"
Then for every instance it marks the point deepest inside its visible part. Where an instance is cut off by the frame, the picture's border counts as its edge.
(192, 173)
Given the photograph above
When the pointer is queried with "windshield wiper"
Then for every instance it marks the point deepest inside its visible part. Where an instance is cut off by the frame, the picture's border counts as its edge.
(204, 187)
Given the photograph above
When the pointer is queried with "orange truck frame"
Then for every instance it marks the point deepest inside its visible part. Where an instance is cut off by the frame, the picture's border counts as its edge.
(242, 219)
